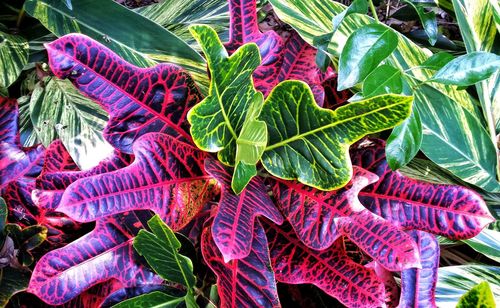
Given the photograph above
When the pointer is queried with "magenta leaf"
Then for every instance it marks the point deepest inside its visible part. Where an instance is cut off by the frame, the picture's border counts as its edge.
(102, 255)
(312, 212)
(330, 270)
(380, 239)
(334, 98)
(418, 286)
(449, 210)
(235, 217)
(57, 158)
(167, 177)
(138, 100)
(15, 161)
(391, 287)
(245, 282)
(281, 60)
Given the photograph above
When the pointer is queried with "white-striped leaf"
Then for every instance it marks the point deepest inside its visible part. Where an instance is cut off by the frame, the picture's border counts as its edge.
(13, 57)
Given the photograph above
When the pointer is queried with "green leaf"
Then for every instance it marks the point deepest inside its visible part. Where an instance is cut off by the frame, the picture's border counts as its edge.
(428, 20)
(216, 122)
(487, 242)
(384, 79)
(13, 57)
(468, 69)
(12, 281)
(310, 143)
(479, 296)
(161, 250)
(143, 48)
(58, 110)
(455, 139)
(404, 142)
(437, 61)
(3, 216)
(154, 299)
(454, 281)
(365, 49)
(357, 6)
(249, 146)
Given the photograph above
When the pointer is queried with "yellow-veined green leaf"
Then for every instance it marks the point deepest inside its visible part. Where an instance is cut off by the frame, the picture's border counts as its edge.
(477, 297)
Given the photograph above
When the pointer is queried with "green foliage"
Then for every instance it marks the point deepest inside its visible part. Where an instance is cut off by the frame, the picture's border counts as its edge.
(161, 250)
(13, 57)
(154, 299)
(479, 296)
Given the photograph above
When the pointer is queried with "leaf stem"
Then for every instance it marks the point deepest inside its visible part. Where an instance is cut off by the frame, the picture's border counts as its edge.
(20, 17)
(374, 11)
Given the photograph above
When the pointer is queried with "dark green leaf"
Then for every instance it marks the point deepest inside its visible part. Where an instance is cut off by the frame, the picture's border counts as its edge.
(161, 250)
(404, 142)
(428, 20)
(12, 281)
(3, 216)
(437, 61)
(154, 299)
(357, 6)
(468, 69)
(217, 121)
(310, 143)
(13, 57)
(363, 52)
(384, 79)
(58, 110)
(477, 297)
(487, 242)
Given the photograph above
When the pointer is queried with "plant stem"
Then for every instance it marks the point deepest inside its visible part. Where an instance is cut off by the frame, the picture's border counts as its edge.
(20, 18)
(374, 11)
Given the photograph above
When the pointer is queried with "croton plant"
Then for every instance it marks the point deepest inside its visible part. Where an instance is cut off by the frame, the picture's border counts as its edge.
(269, 175)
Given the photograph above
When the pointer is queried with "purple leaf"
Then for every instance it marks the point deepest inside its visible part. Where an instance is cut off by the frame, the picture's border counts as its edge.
(138, 100)
(235, 217)
(245, 282)
(330, 270)
(449, 210)
(418, 286)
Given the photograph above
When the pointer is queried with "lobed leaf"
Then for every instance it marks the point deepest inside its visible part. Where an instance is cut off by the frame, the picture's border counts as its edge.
(448, 210)
(138, 100)
(247, 281)
(235, 218)
(310, 144)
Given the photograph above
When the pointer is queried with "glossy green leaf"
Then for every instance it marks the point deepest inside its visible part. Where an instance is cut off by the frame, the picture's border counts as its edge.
(487, 242)
(477, 297)
(428, 20)
(384, 79)
(177, 15)
(364, 50)
(143, 48)
(154, 299)
(404, 142)
(161, 249)
(437, 61)
(454, 281)
(468, 69)
(3, 216)
(217, 121)
(58, 110)
(455, 139)
(13, 57)
(249, 146)
(310, 143)
(12, 281)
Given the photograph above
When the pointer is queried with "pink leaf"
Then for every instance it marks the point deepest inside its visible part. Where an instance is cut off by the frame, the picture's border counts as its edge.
(234, 222)
(138, 100)
(245, 282)
(449, 210)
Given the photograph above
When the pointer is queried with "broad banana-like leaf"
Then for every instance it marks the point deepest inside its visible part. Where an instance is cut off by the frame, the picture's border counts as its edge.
(233, 224)
(418, 285)
(138, 100)
(449, 210)
(104, 254)
(164, 169)
(330, 270)
(13, 57)
(310, 144)
(246, 282)
(217, 121)
(92, 17)
(380, 239)
(15, 161)
(58, 110)
(313, 213)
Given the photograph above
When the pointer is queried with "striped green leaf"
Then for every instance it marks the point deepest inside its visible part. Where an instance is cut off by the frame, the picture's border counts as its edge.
(455, 139)
(455, 281)
(13, 57)
(217, 121)
(58, 110)
(311, 144)
(487, 242)
(154, 299)
(117, 27)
